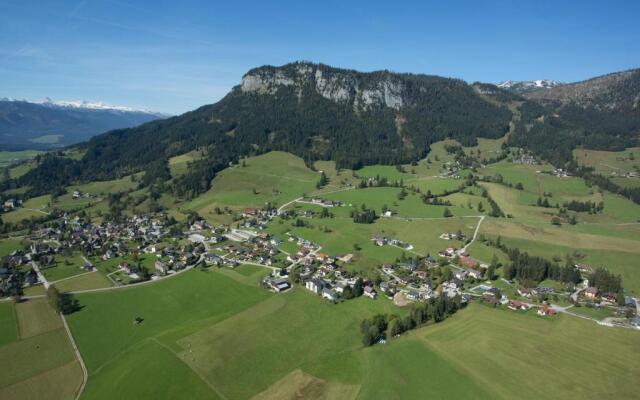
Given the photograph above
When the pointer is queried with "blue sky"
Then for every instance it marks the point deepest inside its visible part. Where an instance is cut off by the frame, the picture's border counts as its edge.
(175, 56)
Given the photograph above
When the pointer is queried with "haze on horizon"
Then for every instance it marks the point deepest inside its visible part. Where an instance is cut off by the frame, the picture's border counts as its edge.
(173, 58)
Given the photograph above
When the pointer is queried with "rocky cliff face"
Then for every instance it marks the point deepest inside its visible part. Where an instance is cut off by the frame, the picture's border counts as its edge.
(363, 90)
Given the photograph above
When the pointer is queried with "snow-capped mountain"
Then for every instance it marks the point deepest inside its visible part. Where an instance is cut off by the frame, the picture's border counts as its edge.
(528, 86)
(98, 105)
(50, 124)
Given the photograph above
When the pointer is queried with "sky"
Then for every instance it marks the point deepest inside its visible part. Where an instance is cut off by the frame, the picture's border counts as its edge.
(175, 56)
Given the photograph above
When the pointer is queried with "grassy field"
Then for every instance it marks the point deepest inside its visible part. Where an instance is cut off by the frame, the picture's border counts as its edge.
(9, 157)
(297, 344)
(42, 361)
(609, 162)
(274, 177)
(510, 354)
(9, 245)
(9, 333)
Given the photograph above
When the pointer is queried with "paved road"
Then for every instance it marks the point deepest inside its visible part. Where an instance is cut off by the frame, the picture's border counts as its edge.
(41, 277)
(475, 235)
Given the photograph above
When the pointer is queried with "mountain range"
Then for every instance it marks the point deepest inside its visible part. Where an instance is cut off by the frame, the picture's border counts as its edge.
(54, 124)
(320, 112)
(528, 86)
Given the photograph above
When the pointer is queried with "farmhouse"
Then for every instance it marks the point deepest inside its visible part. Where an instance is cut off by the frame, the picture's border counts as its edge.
(161, 267)
(544, 311)
(370, 292)
(278, 285)
(329, 294)
(591, 292)
(315, 285)
(524, 292)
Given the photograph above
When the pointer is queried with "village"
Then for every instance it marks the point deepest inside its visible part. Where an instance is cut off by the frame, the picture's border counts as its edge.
(150, 247)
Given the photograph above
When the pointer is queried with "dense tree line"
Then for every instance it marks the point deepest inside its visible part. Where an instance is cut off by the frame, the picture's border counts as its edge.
(364, 215)
(571, 126)
(584, 206)
(605, 281)
(437, 310)
(527, 268)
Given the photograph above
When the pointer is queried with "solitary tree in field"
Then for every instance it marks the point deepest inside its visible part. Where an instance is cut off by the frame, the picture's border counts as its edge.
(53, 297)
(447, 213)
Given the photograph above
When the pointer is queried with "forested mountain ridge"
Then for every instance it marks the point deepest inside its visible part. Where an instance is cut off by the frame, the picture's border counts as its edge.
(618, 91)
(311, 110)
(602, 113)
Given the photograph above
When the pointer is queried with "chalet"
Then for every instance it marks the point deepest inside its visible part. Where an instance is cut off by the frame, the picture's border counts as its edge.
(468, 262)
(161, 267)
(524, 292)
(517, 305)
(584, 268)
(329, 294)
(250, 212)
(370, 292)
(278, 285)
(490, 299)
(610, 297)
(213, 259)
(108, 255)
(591, 292)
(413, 295)
(31, 278)
(544, 311)
(475, 274)
(340, 287)
(315, 285)
(87, 266)
(462, 275)
(10, 204)
(380, 240)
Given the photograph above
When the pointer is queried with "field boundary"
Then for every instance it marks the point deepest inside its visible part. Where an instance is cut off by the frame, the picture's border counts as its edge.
(85, 375)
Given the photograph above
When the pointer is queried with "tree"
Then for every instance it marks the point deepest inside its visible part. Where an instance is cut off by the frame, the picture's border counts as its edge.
(358, 288)
(53, 297)
(447, 213)
(519, 186)
(322, 182)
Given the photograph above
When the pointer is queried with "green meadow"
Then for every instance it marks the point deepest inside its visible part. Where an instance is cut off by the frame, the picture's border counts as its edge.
(36, 345)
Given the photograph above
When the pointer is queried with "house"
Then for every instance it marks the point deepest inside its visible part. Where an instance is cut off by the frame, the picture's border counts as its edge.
(10, 204)
(315, 285)
(277, 285)
(493, 300)
(591, 292)
(468, 262)
(340, 286)
(161, 267)
(108, 255)
(584, 268)
(524, 292)
(475, 274)
(610, 297)
(517, 305)
(544, 311)
(370, 292)
(329, 294)
(462, 275)
(87, 266)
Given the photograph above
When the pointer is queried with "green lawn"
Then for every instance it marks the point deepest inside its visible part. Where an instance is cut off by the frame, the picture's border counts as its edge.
(510, 354)
(8, 323)
(42, 361)
(9, 157)
(9, 245)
